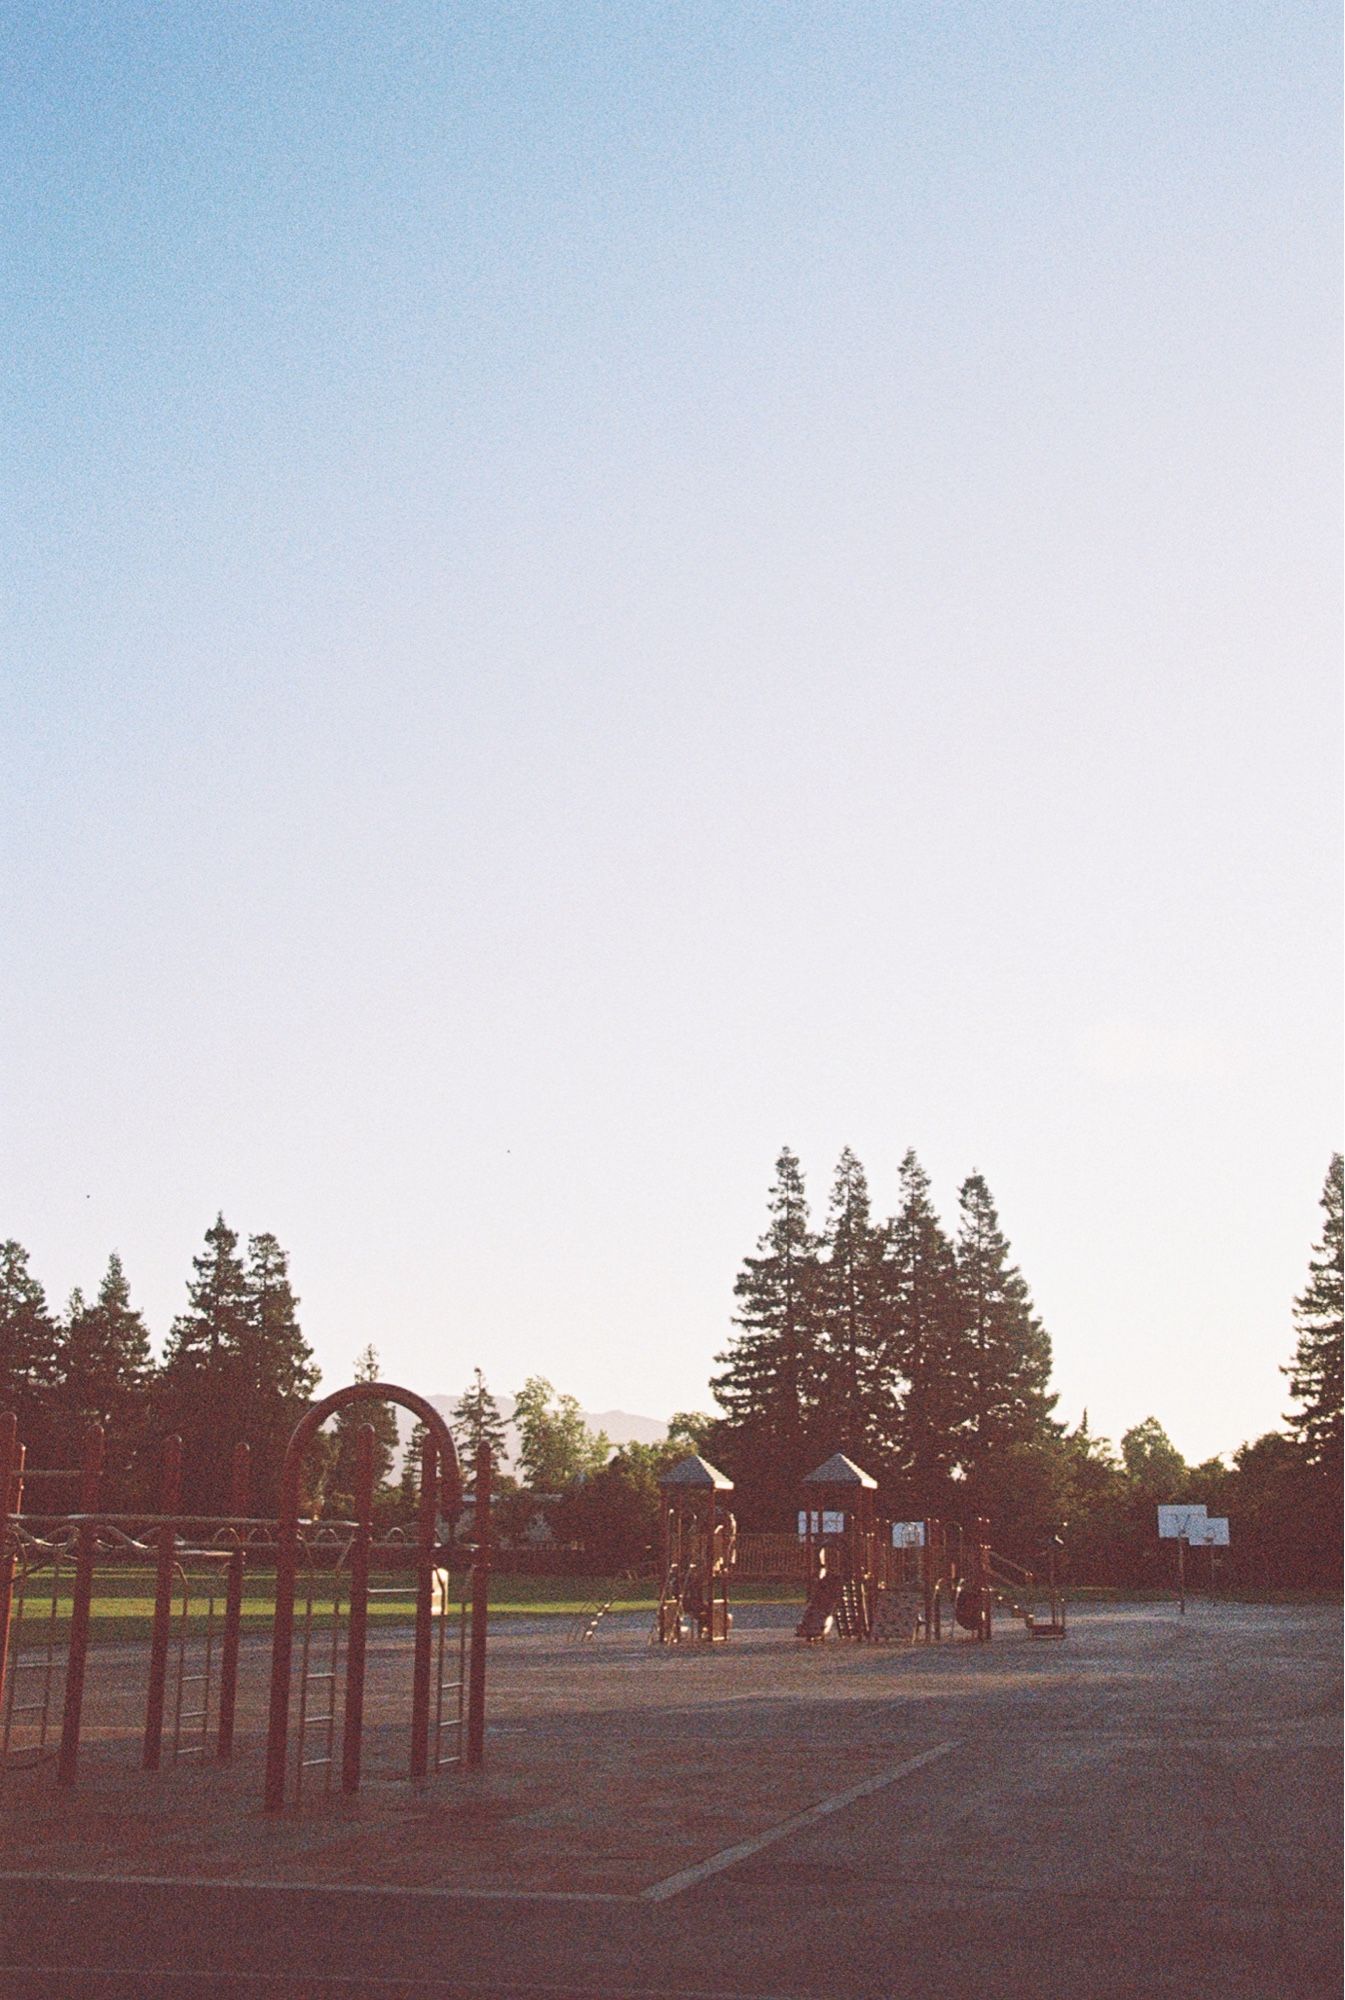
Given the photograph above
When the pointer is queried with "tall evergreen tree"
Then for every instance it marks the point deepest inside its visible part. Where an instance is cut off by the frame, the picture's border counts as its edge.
(925, 1362)
(770, 1380)
(408, 1483)
(28, 1352)
(105, 1373)
(340, 1484)
(237, 1369)
(476, 1420)
(1319, 1314)
(197, 1384)
(850, 1296)
(276, 1373)
(1007, 1349)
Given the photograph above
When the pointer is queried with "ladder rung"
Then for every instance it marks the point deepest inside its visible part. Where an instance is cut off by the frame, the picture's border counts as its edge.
(314, 1763)
(194, 1715)
(310, 1678)
(186, 1680)
(28, 1708)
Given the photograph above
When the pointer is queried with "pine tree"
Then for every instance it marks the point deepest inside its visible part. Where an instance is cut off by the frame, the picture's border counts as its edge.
(237, 1369)
(408, 1483)
(276, 1374)
(105, 1373)
(770, 1384)
(196, 1388)
(850, 1294)
(1319, 1314)
(1008, 1351)
(476, 1420)
(340, 1484)
(925, 1361)
(28, 1352)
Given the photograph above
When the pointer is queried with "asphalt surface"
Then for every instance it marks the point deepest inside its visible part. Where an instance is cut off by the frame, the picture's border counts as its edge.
(1156, 1813)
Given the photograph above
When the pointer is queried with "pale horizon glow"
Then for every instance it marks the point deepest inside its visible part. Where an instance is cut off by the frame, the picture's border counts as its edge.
(593, 592)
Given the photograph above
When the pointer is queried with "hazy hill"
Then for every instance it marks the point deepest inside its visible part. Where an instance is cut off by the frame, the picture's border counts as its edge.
(621, 1426)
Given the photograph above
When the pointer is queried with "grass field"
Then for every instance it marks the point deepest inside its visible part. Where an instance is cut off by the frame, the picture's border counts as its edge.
(124, 1605)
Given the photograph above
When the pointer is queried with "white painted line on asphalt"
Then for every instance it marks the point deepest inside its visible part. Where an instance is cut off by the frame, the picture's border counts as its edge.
(431, 1984)
(673, 1885)
(429, 1891)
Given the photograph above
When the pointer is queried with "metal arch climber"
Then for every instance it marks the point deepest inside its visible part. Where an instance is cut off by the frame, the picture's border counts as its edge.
(440, 1493)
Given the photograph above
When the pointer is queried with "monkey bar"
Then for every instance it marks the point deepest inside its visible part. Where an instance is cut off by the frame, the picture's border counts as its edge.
(199, 1564)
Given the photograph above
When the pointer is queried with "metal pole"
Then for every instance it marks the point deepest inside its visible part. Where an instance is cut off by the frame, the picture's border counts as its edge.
(233, 1608)
(170, 1486)
(9, 1452)
(1181, 1573)
(424, 1639)
(476, 1693)
(78, 1654)
(359, 1608)
(282, 1631)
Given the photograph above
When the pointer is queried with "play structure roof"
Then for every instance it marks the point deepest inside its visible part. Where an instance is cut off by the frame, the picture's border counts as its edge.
(696, 1471)
(839, 1471)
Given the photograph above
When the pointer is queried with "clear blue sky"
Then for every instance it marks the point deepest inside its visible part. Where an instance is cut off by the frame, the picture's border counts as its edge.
(593, 589)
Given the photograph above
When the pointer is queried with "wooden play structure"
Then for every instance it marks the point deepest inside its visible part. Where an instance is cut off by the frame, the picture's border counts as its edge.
(698, 1549)
(839, 1526)
(872, 1580)
(54, 1560)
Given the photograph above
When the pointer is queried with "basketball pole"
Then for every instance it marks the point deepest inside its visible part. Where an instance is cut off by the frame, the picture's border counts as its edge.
(1181, 1574)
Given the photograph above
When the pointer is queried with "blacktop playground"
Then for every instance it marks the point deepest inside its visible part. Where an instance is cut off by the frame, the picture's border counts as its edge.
(1149, 1808)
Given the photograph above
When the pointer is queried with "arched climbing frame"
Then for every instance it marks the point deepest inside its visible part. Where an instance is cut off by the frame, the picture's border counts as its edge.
(440, 1495)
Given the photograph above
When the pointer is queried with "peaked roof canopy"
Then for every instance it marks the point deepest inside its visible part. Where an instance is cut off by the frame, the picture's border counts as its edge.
(839, 1471)
(696, 1471)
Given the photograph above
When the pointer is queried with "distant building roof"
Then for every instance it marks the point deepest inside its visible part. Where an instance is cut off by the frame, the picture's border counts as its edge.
(839, 1471)
(696, 1471)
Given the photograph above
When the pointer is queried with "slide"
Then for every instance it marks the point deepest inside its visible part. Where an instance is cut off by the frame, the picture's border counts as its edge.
(819, 1614)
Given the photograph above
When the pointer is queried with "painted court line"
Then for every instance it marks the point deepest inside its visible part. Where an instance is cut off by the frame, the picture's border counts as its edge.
(429, 1892)
(673, 1885)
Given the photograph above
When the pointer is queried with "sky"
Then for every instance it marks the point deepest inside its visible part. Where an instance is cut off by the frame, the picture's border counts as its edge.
(594, 590)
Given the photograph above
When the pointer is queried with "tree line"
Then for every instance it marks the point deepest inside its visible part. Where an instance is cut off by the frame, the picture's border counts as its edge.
(919, 1354)
(922, 1356)
(235, 1367)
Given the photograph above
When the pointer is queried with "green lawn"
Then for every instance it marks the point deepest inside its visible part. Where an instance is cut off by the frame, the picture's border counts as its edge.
(124, 1605)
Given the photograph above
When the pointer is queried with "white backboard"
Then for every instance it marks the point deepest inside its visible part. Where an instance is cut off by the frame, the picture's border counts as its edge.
(1188, 1520)
(1213, 1532)
(908, 1534)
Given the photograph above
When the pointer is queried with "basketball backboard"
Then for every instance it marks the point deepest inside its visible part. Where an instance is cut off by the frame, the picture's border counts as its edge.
(1187, 1519)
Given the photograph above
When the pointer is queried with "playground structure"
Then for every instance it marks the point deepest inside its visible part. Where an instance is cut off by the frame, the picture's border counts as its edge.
(697, 1552)
(840, 1540)
(871, 1580)
(53, 1560)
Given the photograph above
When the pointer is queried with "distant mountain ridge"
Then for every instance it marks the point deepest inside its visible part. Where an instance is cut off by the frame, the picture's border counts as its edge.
(621, 1426)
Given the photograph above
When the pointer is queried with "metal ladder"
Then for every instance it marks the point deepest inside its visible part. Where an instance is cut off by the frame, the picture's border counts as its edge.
(450, 1688)
(323, 1719)
(42, 1664)
(195, 1746)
